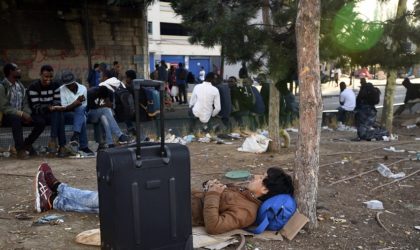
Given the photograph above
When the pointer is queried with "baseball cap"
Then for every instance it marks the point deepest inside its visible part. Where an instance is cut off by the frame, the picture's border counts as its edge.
(67, 78)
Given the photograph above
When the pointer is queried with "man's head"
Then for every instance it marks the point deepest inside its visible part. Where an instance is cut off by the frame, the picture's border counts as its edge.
(96, 66)
(202, 68)
(232, 81)
(163, 63)
(342, 86)
(210, 77)
(69, 80)
(363, 82)
(11, 71)
(106, 74)
(130, 75)
(46, 75)
(406, 83)
(180, 65)
(274, 182)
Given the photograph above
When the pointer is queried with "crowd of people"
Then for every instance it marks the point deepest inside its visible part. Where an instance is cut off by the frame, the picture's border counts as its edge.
(61, 102)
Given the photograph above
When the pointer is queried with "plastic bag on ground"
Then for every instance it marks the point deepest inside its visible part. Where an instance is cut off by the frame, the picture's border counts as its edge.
(374, 204)
(255, 143)
(386, 172)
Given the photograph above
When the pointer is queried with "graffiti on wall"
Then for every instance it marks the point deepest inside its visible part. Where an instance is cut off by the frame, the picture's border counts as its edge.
(31, 60)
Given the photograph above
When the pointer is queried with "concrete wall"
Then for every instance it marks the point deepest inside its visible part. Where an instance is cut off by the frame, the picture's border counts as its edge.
(56, 35)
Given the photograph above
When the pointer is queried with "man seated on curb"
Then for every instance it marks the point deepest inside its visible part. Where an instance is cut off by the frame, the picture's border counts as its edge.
(73, 98)
(220, 208)
(43, 95)
(99, 105)
(205, 100)
(347, 102)
(16, 111)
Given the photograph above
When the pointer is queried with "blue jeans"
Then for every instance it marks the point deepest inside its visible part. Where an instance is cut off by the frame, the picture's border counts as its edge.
(110, 126)
(76, 200)
(78, 119)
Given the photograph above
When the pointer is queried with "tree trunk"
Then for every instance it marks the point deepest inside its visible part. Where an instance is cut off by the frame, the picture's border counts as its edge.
(388, 109)
(310, 109)
(274, 97)
(143, 49)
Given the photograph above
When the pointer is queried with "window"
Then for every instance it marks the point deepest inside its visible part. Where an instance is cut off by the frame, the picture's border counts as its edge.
(173, 29)
(150, 28)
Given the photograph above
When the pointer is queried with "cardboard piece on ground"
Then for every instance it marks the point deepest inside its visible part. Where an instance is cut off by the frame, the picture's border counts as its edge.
(90, 237)
(294, 225)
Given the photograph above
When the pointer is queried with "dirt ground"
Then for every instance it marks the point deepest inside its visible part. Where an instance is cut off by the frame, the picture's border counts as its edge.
(356, 227)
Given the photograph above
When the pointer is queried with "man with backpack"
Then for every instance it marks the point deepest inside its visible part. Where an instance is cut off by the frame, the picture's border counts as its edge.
(367, 129)
(181, 81)
(218, 207)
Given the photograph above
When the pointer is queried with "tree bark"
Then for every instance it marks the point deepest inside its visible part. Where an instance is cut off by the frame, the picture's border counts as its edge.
(274, 97)
(307, 154)
(388, 109)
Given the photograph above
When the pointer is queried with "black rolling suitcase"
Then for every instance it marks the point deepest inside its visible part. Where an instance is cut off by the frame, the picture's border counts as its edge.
(144, 192)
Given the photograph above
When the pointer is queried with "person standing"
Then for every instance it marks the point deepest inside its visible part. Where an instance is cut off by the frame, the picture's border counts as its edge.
(94, 76)
(116, 69)
(44, 101)
(73, 97)
(16, 111)
(202, 74)
(181, 82)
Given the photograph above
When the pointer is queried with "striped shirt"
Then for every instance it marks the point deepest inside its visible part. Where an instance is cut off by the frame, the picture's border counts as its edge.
(40, 97)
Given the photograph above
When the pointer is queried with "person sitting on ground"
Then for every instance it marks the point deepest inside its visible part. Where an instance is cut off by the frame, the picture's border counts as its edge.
(73, 98)
(205, 100)
(220, 208)
(44, 97)
(16, 111)
(347, 102)
(413, 93)
(99, 111)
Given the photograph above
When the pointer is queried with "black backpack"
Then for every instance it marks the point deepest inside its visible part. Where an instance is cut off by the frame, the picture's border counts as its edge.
(124, 104)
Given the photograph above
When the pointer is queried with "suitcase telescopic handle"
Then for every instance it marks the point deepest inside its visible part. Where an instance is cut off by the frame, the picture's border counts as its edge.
(137, 84)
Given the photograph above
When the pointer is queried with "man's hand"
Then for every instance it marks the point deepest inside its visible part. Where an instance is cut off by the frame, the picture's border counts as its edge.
(26, 117)
(218, 188)
(81, 98)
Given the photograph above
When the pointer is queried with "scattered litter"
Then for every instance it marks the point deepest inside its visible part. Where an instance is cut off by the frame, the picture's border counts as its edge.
(255, 144)
(411, 126)
(393, 149)
(386, 172)
(338, 220)
(417, 227)
(374, 204)
(189, 138)
(5, 154)
(52, 219)
(262, 132)
(204, 139)
(417, 139)
(67, 228)
(292, 130)
(90, 237)
(392, 137)
(346, 128)
(235, 135)
(327, 128)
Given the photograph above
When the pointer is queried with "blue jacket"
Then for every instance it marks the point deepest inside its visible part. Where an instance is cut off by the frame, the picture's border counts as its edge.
(225, 100)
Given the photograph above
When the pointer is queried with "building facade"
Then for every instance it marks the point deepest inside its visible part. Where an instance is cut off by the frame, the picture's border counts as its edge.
(168, 41)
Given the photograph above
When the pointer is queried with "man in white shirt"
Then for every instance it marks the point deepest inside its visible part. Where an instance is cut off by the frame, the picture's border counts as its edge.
(347, 102)
(202, 74)
(205, 100)
(73, 102)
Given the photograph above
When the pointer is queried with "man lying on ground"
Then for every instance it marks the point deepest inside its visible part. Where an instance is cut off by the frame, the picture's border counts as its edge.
(220, 208)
